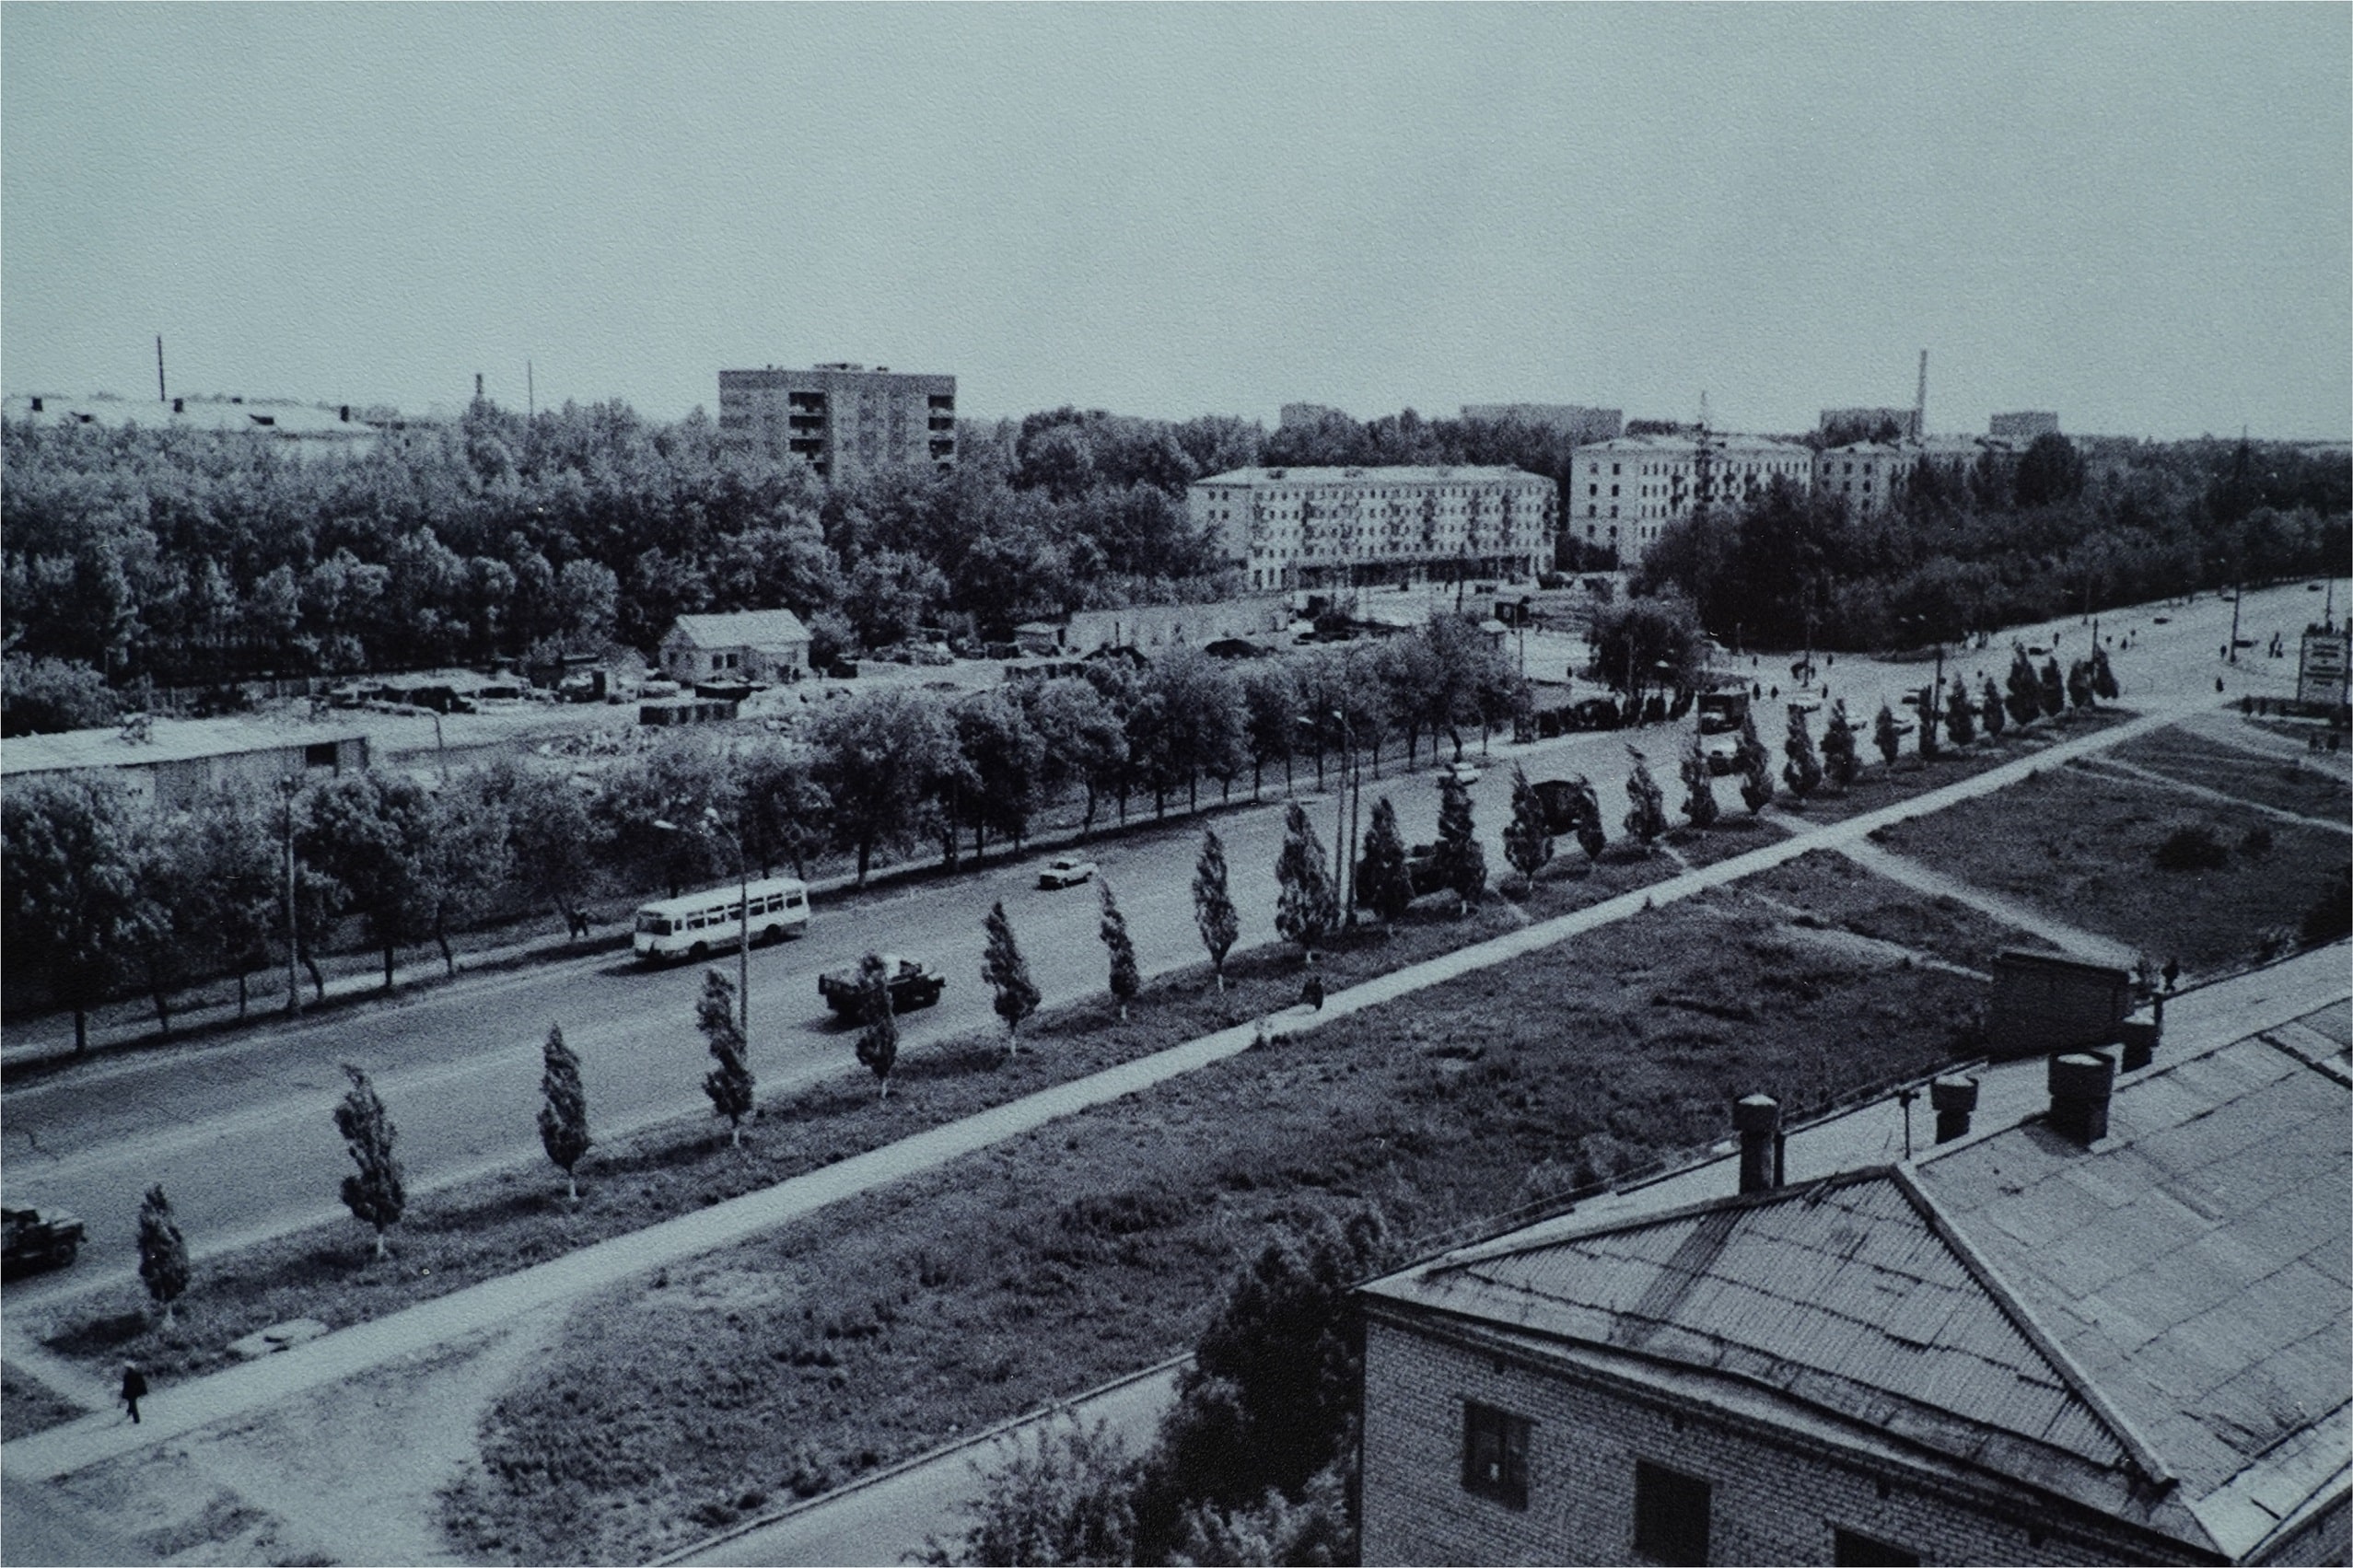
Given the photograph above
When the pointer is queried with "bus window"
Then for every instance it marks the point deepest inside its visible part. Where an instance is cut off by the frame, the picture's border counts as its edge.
(652, 925)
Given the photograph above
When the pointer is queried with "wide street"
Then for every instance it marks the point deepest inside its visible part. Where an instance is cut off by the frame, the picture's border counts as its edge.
(239, 1130)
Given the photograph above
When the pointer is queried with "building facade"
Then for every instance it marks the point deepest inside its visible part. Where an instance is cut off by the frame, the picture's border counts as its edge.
(176, 764)
(751, 645)
(1868, 422)
(2023, 426)
(842, 419)
(1871, 476)
(1326, 528)
(1625, 492)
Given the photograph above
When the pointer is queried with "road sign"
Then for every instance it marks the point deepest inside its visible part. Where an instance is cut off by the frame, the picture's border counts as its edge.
(2321, 676)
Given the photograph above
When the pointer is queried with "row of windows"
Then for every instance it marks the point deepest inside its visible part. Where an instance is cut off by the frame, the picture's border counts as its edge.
(1671, 1510)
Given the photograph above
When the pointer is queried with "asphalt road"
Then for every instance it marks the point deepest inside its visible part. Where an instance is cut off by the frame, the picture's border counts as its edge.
(240, 1133)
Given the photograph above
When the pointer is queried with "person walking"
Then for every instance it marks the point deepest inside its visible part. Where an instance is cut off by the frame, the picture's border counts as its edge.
(134, 1389)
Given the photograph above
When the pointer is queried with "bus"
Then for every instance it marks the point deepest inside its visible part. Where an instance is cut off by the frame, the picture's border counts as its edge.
(701, 923)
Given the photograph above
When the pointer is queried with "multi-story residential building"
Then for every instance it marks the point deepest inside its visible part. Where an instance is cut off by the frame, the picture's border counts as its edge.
(1871, 422)
(2109, 1324)
(1623, 493)
(842, 420)
(1316, 528)
(1577, 422)
(1871, 476)
(2023, 428)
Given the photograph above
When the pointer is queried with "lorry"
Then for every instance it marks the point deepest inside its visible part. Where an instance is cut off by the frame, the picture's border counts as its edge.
(31, 1239)
(913, 983)
(1721, 713)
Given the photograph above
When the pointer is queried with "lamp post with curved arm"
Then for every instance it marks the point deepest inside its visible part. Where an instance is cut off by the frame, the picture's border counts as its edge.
(712, 824)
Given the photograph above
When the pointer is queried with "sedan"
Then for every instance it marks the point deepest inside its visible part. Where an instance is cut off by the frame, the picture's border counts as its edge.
(1065, 871)
(1461, 772)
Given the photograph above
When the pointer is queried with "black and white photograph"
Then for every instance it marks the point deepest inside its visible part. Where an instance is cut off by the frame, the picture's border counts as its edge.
(1219, 784)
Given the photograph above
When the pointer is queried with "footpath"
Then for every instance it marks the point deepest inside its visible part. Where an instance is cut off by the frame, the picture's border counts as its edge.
(174, 1411)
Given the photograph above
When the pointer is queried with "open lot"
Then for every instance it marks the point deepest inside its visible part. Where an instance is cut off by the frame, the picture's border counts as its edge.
(2285, 783)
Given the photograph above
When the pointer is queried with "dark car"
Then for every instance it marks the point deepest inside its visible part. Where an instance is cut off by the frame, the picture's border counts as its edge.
(1596, 712)
(913, 983)
(30, 1240)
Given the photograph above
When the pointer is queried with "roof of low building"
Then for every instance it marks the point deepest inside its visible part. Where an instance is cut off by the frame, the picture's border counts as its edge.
(169, 740)
(743, 629)
(2155, 1326)
(1400, 473)
(1761, 446)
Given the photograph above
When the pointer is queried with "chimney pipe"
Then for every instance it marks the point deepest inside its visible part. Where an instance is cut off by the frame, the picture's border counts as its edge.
(2080, 1082)
(1759, 1119)
(1954, 1099)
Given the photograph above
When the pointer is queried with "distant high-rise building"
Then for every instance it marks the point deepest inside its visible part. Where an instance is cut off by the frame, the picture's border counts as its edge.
(2023, 426)
(842, 420)
(1577, 422)
(1869, 423)
(1324, 527)
(1307, 416)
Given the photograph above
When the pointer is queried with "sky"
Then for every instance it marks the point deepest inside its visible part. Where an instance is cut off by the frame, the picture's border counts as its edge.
(2138, 217)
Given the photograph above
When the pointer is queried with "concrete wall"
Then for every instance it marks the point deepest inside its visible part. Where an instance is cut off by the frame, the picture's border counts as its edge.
(1156, 627)
(1771, 1501)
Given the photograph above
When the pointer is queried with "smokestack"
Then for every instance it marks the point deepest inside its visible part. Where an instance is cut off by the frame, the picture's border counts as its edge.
(1920, 403)
(161, 394)
(1954, 1099)
(1758, 1119)
(2080, 1085)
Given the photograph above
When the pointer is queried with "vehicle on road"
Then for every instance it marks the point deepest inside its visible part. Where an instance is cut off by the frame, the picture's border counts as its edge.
(1721, 713)
(913, 983)
(1461, 772)
(30, 1240)
(1563, 804)
(699, 924)
(1597, 712)
(1065, 871)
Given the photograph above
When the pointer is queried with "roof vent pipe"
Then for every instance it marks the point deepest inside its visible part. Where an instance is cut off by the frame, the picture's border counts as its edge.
(1758, 1118)
(1954, 1099)
(2079, 1086)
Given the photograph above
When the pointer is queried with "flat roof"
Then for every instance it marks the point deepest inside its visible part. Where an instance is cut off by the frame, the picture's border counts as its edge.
(1387, 474)
(169, 740)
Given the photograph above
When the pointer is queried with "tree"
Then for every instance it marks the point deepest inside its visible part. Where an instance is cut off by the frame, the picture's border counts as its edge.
(1008, 973)
(879, 1036)
(378, 1193)
(163, 1252)
(1886, 735)
(1304, 902)
(1384, 882)
(1924, 702)
(1126, 982)
(729, 1084)
(1066, 1496)
(1213, 903)
(373, 835)
(1839, 759)
(785, 813)
(1647, 818)
(465, 861)
(2079, 685)
(1461, 863)
(2050, 689)
(1007, 760)
(2103, 680)
(41, 696)
(1592, 837)
(1641, 644)
(237, 883)
(69, 864)
(1800, 766)
(1960, 717)
(1527, 843)
(2050, 471)
(1699, 798)
(880, 758)
(2025, 699)
(1989, 711)
(1084, 740)
(1756, 767)
(563, 1113)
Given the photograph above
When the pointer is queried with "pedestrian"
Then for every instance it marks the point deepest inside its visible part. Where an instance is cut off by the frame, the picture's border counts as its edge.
(1313, 992)
(134, 1389)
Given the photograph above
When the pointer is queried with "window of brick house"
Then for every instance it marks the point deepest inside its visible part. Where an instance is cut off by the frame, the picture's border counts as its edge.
(1494, 1454)
(1852, 1549)
(1670, 1515)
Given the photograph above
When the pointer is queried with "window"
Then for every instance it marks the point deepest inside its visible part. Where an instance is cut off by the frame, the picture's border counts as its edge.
(1861, 1552)
(1494, 1454)
(1670, 1515)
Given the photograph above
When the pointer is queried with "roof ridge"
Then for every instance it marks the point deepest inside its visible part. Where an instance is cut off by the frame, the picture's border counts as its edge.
(2013, 1305)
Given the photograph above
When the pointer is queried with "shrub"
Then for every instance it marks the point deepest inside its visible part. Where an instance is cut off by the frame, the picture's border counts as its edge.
(2191, 848)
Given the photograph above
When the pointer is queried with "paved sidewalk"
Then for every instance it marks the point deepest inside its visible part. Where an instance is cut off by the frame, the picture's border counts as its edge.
(2072, 940)
(173, 1412)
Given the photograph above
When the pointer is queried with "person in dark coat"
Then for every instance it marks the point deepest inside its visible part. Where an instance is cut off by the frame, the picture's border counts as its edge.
(134, 1389)
(1313, 992)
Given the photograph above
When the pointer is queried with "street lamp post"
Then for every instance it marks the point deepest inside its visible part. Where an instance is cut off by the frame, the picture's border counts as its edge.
(712, 824)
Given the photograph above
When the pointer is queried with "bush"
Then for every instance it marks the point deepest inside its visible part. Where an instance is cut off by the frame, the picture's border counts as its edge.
(2331, 917)
(2191, 848)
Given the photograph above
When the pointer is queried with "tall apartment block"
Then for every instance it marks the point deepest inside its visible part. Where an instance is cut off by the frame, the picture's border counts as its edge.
(842, 420)
(1624, 494)
(1320, 528)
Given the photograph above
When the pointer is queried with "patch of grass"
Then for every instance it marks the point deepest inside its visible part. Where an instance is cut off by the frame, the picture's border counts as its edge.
(1830, 891)
(2084, 846)
(1043, 1266)
(1881, 786)
(2280, 783)
(28, 1406)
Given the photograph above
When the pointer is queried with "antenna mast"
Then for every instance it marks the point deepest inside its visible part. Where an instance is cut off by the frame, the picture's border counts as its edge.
(160, 396)
(1920, 403)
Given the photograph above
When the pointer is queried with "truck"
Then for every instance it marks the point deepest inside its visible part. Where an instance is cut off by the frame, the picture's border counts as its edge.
(1721, 713)
(913, 983)
(31, 1239)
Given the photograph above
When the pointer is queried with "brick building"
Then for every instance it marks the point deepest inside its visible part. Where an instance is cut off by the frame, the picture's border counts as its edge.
(2115, 1330)
(1322, 528)
(842, 419)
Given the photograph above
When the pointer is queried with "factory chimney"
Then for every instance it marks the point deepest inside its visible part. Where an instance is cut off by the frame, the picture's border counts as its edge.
(1920, 403)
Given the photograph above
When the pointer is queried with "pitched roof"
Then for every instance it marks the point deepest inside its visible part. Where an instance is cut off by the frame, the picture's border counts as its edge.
(744, 629)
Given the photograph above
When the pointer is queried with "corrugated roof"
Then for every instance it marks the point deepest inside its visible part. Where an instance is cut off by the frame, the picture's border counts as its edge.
(744, 629)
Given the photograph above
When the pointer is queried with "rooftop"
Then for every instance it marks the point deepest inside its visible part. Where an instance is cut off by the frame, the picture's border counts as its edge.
(170, 740)
(1395, 474)
(252, 416)
(744, 628)
(1685, 444)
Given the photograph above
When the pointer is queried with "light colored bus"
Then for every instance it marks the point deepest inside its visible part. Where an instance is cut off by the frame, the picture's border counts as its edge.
(701, 923)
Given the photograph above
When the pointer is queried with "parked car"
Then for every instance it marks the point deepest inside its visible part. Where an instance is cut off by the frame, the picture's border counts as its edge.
(1596, 712)
(1462, 773)
(913, 983)
(1065, 871)
(1721, 713)
(30, 1240)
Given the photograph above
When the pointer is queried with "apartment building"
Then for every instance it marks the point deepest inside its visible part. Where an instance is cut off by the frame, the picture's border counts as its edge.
(1320, 528)
(1871, 476)
(2024, 426)
(1624, 494)
(842, 420)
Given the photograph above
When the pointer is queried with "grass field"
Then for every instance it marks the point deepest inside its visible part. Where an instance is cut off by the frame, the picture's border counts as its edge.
(893, 1322)
(28, 1406)
(2288, 785)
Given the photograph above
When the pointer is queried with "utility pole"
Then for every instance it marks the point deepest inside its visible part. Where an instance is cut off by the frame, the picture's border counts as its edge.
(161, 396)
(287, 786)
(530, 394)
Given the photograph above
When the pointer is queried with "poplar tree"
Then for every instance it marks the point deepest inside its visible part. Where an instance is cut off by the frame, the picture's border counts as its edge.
(1461, 861)
(1592, 837)
(1840, 760)
(1924, 700)
(1008, 973)
(1126, 981)
(2103, 678)
(1384, 879)
(1648, 819)
(1304, 902)
(879, 1039)
(2078, 684)
(1800, 767)
(378, 1194)
(2025, 699)
(1756, 767)
(2050, 689)
(1989, 711)
(163, 1252)
(1699, 788)
(563, 1110)
(1213, 903)
(1959, 718)
(1527, 841)
(729, 1084)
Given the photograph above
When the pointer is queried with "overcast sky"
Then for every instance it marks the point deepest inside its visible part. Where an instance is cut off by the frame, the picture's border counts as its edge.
(2141, 217)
